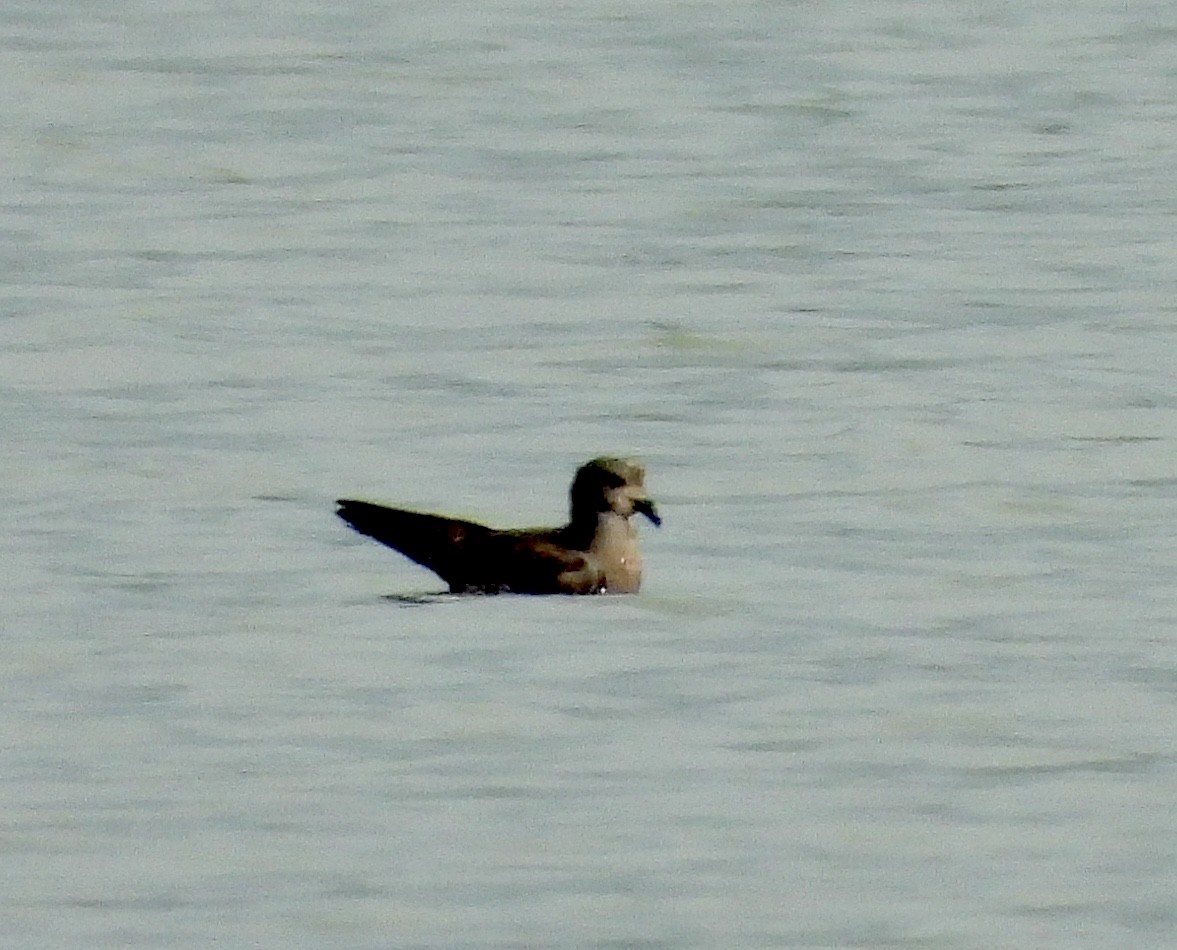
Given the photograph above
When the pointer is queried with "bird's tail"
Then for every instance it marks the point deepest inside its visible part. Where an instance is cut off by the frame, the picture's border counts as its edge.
(433, 541)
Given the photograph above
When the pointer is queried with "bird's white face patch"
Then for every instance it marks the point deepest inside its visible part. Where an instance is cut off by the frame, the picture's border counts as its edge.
(621, 499)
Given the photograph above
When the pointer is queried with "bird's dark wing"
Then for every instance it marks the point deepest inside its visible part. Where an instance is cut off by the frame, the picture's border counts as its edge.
(441, 544)
(535, 562)
(472, 557)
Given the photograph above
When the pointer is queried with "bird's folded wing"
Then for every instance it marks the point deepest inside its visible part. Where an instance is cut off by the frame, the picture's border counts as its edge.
(433, 541)
(472, 557)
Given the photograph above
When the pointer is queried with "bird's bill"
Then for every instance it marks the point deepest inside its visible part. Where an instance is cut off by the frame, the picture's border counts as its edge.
(646, 507)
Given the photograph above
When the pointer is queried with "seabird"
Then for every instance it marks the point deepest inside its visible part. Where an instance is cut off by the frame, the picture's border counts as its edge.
(595, 553)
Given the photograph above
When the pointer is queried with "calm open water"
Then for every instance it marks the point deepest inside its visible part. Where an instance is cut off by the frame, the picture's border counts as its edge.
(884, 295)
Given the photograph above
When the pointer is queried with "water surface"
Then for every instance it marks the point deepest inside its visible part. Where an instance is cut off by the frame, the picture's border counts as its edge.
(883, 298)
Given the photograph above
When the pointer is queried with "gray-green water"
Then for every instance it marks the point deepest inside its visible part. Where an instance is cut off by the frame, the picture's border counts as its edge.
(884, 298)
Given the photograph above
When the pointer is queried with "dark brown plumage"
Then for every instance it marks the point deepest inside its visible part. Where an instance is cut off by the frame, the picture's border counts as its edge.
(596, 552)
